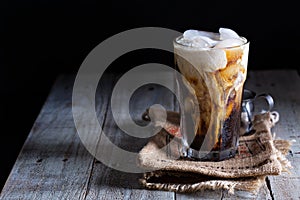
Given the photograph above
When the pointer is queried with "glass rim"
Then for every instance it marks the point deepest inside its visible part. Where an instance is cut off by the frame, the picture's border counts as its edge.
(210, 48)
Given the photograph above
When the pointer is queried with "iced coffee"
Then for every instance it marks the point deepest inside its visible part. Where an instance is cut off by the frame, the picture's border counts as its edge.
(213, 68)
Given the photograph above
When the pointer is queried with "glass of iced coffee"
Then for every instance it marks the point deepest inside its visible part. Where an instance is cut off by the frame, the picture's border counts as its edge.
(213, 68)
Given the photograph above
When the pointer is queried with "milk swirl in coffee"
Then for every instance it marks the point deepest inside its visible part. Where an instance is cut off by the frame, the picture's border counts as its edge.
(214, 66)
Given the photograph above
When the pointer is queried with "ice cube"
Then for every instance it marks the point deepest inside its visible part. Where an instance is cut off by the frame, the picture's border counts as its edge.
(211, 35)
(226, 33)
(198, 41)
(189, 34)
(210, 41)
(185, 42)
(200, 38)
(232, 42)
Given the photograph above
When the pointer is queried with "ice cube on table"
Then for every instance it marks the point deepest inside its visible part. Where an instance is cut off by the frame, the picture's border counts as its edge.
(232, 42)
(226, 33)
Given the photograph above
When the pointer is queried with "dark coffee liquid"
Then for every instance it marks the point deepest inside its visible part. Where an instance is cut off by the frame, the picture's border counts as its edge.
(226, 145)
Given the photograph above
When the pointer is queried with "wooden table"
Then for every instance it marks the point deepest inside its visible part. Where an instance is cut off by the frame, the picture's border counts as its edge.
(53, 163)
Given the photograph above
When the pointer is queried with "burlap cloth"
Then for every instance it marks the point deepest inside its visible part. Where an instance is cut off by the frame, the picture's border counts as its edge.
(258, 155)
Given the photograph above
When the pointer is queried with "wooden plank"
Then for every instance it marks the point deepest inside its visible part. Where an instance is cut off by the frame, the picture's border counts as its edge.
(263, 193)
(108, 183)
(206, 195)
(53, 163)
(284, 87)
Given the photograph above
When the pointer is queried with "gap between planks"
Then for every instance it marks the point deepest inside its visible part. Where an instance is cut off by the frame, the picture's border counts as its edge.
(94, 160)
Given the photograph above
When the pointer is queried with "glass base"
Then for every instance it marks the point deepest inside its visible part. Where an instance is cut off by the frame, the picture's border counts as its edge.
(193, 154)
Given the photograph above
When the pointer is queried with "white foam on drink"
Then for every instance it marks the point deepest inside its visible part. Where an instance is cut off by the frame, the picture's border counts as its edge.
(206, 50)
(204, 39)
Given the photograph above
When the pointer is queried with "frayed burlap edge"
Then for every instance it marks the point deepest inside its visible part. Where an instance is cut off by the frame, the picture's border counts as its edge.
(252, 184)
(270, 162)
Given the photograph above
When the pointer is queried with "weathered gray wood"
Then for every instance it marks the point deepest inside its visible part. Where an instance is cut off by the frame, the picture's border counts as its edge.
(107, 183)
(263, 194)
(207, 195)
(53, 163)
(284, 86)
(224, 195)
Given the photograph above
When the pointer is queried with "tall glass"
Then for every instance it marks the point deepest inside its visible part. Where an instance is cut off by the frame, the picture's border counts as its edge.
(211, 88)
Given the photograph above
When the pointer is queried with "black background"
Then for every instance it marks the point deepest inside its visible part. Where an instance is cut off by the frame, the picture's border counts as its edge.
(41, 39)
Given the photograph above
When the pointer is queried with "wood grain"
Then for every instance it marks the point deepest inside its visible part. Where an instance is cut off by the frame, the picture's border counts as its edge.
(54, 164)
(284, 86)
(107, 183)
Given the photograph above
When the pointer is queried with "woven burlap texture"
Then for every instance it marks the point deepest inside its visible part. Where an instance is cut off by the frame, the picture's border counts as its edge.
(258, 155)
